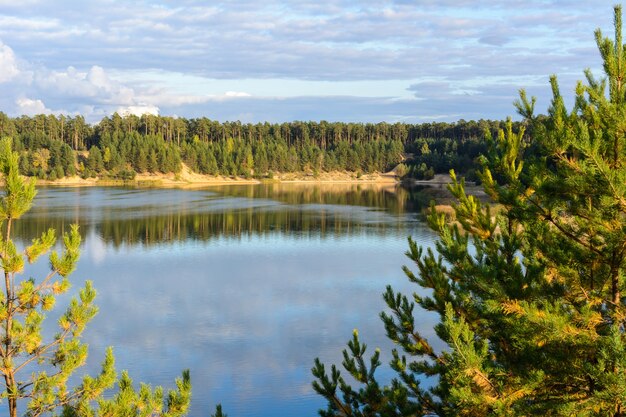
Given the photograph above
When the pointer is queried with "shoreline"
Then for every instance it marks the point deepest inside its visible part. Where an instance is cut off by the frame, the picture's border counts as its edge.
(188, 179)
(436, 187)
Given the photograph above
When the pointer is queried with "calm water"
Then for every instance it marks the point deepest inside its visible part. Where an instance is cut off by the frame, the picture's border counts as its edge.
(243, 285)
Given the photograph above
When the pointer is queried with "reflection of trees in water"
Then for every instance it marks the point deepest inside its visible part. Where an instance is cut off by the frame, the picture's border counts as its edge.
(30, 227)
(394, 198)
(302, 214)
(238, 223)
(154, 229)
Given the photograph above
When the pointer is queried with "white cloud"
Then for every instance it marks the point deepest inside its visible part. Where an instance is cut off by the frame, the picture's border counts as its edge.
(98, 77)
(31, 107)
(138, 110)
(92, 93)
(8, 64)
(29, 23)
(94, 84)
(339, 40)
(230, 94)
(246, 53)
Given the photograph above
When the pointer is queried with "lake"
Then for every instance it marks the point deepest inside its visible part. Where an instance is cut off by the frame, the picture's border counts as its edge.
(244, 285)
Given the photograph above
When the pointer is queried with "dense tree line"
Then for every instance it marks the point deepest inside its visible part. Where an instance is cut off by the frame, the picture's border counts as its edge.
(119, 146)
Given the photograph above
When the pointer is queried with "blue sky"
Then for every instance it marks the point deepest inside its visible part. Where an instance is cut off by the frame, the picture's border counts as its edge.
(342, 60)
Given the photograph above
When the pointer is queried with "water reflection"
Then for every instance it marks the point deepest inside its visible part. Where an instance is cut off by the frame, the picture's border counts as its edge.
(244, 285)
(151, 216)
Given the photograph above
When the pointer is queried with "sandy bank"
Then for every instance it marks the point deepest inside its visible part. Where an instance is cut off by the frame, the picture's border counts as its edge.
(189, 179)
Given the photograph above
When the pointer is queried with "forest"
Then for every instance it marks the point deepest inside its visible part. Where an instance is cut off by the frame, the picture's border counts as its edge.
(119, 147)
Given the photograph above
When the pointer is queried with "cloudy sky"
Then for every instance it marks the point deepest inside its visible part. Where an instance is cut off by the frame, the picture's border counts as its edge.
(250, 60)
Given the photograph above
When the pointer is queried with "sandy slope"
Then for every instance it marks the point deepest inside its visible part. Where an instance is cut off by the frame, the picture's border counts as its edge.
(188, 178)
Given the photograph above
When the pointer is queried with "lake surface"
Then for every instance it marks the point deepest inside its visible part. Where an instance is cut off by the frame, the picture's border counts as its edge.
(244, 285)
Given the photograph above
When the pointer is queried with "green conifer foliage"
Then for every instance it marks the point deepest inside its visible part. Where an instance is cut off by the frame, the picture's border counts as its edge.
(529, 291)
(35, 372)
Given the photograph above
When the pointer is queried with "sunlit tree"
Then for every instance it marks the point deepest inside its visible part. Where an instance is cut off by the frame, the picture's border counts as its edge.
(36, 371)
(529, 291)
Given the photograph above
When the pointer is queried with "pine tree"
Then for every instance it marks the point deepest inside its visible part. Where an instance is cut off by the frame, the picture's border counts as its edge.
(140, 162)
(530, 292)
(153, 164)
(36, 372)
(68, 160)
(94, 160)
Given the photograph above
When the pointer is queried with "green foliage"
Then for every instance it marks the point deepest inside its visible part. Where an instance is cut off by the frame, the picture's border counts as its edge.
(145, 403)
(530, 295)
(18, 195)
(95, 161)
(420, 172)
(401, 170)
(36, 372)
(52, 147)
(218, 412)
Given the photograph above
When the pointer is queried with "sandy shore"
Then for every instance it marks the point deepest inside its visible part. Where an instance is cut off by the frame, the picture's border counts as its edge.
(189, 179)
(436, 187)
